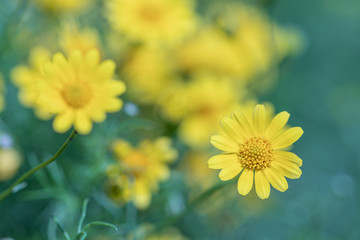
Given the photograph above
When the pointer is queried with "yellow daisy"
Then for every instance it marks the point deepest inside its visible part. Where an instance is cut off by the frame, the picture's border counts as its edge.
(152, 20)
(256, 146)
(80, 90)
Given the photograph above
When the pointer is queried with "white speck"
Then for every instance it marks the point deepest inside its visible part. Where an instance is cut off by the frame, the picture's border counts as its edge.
(131, 109)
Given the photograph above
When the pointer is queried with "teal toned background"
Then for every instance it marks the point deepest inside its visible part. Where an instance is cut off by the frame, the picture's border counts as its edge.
(320, 89)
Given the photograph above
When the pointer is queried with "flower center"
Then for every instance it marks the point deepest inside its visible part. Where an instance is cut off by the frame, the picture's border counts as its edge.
(77, 95)
(256, 153)
(137, 162)
(150, 13)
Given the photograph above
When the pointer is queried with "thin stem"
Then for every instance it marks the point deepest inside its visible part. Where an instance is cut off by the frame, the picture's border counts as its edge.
(168, 221)
(6, 192)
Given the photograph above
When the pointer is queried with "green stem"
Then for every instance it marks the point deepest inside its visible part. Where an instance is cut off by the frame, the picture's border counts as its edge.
(6, 192)
(168, 221)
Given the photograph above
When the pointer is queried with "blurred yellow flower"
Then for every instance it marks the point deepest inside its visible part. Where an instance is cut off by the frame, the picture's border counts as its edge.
(144, 167)
(196, 174)
(147, 73)
(165, 21)
(58, 6)
(9, 163)
(72, 38)
(29, 80)
(80, 90)
(2, 90)
(212, 51)
(255, 146)
(209, 98)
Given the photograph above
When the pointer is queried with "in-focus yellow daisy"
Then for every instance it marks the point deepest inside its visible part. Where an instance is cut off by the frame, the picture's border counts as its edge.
(80, 90)
(165, 21)
(73, 38)
(139, 170)
(256, 146)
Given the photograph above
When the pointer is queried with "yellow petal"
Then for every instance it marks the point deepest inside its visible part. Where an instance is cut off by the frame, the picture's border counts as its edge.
(288, 156)
(288, 169)
(92, 58)
(62, 122)
(277, 180)
(278, 122)
(262, 185)
(113, 104)
(142, 197)
(231, 128)
(75, 59)
(223, 143)
(222, 161)
(259, 119)
(115, 87)
(230, 172)
(83, 123)
(243, 122)
(245, 182)
(287, 138)
(106, 70)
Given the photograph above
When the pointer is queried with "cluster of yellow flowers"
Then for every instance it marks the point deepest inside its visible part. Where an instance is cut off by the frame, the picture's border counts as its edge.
(192, 71)
(136, 175)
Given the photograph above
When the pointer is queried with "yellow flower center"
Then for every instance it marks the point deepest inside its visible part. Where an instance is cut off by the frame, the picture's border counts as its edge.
(77, 95)
(137, 162)
(150, 13)
(256, 153)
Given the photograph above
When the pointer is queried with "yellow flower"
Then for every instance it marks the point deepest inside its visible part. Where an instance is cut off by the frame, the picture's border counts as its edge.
(256, 146)
(9, 163)
(80, 90)
(166, 21)
(29, 80)
(2, 89)
(212, 51)
(209, 99)
(72, 38)
(62, 5)
(144, 167)
(147, 73)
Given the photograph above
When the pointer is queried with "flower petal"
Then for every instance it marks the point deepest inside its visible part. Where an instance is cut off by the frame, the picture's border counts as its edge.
(231, 128)
(259, 119)
(287, 138)
(63, 121)
(245, 182)
(277, 180)
(113, 104)
(223, 143)
(106, 70)
(222, 161)
(262, 185)
(286, 168)
(230, 172)
(278, 122)
(83, 123)
(243, 122)
(288, 156)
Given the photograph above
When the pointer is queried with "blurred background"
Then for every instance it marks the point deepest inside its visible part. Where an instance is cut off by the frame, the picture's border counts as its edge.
(186, 65)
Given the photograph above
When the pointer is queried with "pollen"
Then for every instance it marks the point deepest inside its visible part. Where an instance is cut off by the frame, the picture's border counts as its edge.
(77, 95)
(256, 153)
